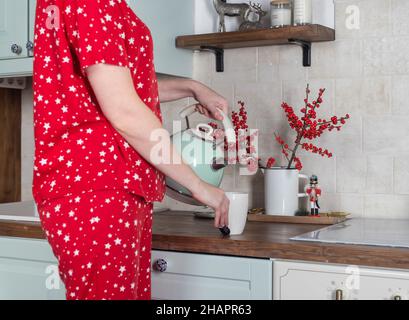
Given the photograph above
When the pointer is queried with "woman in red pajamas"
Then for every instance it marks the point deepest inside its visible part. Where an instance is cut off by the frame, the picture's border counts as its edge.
(96, 104)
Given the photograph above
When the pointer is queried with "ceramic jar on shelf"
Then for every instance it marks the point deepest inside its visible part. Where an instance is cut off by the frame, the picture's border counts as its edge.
(281, 13)
(302, 12)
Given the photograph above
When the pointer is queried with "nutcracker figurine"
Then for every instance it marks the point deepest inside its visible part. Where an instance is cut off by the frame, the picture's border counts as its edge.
(314, 192)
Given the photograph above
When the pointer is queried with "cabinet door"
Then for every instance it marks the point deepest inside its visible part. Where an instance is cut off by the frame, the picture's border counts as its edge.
(198, 276)
(167, 20)
(308, 281)
(28, 270)
(13, 28)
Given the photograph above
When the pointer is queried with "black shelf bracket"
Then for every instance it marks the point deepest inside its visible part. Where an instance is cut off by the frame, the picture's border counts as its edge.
(306, 50)
(219, 53)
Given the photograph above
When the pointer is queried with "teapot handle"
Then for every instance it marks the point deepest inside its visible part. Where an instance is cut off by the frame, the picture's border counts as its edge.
(227, 124)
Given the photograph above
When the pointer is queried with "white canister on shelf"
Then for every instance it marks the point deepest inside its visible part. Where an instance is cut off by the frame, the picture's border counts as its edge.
(280, 13)
(302, 12)
(323, 13)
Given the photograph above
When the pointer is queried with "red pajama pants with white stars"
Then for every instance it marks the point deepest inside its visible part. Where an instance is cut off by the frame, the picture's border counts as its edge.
(102, 241)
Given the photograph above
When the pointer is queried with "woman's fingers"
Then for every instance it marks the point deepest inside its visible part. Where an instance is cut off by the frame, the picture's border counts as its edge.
(217, 217)
(212, 110)
(222, 215)
(227, 208)
(225, 217)
(224, 107)
(217, 114)
(202, 110)
(199, 108)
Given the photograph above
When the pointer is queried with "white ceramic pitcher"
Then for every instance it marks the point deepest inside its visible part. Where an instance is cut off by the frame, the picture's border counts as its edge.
(281, 187)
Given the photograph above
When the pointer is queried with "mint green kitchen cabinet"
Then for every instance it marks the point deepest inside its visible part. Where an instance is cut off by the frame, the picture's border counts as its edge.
(16, 30)
(28, 270)
(13, 29)
(188, 276)
(167, 20)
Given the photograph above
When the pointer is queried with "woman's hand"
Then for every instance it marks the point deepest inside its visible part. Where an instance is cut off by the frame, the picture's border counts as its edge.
(216, 199)
(210, 102)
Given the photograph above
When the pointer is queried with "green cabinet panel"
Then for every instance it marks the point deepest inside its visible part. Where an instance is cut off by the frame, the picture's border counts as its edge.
(13, 28)
(191, 276)
(28, 270)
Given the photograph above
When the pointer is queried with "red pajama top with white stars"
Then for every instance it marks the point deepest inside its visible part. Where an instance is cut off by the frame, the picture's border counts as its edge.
(77, 150)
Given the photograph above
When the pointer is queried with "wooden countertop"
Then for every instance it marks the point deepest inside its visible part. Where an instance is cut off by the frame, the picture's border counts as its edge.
(180, 231)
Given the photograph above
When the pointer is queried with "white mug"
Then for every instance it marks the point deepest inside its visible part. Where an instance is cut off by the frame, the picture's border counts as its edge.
(239, 206)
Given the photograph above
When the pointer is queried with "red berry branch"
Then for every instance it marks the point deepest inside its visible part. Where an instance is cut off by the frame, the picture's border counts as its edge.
(307, 127)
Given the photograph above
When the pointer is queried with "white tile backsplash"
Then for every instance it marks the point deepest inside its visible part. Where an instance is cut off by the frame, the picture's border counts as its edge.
(400, 90)
(387, 206)
(348, 61)
(401, 175)
(350, 174)
(399, 18)
(236, 63)
(386, 135)
(267, 63)
(379, 175)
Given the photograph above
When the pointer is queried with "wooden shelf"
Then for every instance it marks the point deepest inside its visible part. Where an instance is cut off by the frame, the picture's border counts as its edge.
(299, 35)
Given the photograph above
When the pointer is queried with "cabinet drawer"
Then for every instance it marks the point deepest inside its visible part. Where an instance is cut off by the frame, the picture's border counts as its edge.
(308, 281)
(28, 270)
(199, 276)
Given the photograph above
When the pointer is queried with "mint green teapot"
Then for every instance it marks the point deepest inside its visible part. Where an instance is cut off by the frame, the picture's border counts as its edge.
(201, 152)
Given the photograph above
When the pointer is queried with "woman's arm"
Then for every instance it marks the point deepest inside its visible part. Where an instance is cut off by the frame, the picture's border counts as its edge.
(209, 102)
(136, 122)
(171, 89)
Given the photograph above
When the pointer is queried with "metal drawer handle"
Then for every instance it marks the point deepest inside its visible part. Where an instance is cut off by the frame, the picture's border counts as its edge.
(339, 295)
(160, 265)
(15, 48)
